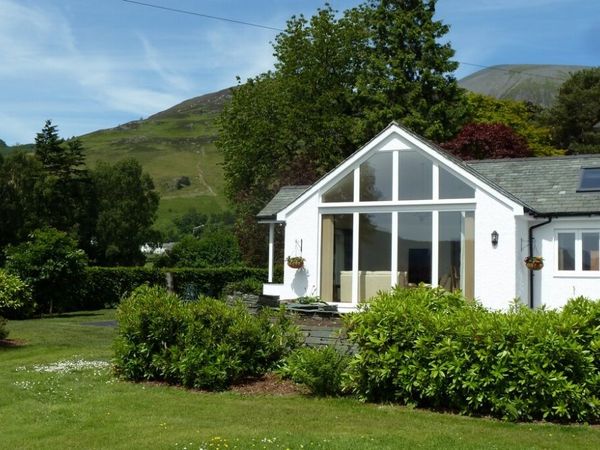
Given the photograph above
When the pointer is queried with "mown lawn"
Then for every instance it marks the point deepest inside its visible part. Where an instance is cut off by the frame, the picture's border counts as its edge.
(49, 406)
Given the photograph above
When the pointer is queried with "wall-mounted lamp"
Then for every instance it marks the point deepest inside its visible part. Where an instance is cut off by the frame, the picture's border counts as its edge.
(494, 238)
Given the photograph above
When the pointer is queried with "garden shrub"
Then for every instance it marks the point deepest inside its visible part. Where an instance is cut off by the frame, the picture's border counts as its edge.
(429, 347)
(204, 344)
(319, 368)
(15, 297)
(52, 265)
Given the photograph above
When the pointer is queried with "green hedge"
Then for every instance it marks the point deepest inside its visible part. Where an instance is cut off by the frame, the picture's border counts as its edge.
(428, 347)
(203, 344)
(106, 286)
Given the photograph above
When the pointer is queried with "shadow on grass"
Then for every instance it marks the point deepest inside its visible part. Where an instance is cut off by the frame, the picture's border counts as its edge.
(70, 315)
(12, 343)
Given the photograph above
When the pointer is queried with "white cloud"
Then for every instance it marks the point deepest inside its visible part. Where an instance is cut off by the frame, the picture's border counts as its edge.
(40, 55)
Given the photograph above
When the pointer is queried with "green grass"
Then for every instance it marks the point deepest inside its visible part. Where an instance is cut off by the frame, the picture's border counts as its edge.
(90, 409)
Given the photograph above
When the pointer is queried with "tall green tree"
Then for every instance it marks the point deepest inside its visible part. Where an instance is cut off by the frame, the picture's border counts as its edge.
(19, 202)
(575, 117)
(127, 205)
(65, 191)
(337, 82)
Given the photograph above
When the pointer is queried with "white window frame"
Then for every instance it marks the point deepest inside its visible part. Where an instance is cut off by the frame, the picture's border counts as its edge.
(578, 232)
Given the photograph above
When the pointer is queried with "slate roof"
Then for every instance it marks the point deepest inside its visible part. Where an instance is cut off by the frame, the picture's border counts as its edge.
(283, 198)
(548, 185)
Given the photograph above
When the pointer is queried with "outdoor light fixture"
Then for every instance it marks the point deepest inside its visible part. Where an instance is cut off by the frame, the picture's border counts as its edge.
(494, 238)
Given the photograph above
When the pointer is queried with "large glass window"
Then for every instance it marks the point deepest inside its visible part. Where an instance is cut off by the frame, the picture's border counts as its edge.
(452, 187)
(566, 251)
(414, 248)
(414, 176)
(336, 257)
(375, 254)
(376, 178)
(590, 246)
(342, 191)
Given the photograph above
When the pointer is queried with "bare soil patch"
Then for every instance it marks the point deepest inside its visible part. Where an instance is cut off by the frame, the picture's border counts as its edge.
(12, 343)
(270, 384)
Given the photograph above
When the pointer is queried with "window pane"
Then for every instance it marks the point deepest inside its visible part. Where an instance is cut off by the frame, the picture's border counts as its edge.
(590, 179)
(456, 251)
(375, 254)
(450, 250)
(343, 191)
(414, 248)
(414, 176)
(336, 258)
(376, 178)
(452, 187)
(590, 243)
(566, 251)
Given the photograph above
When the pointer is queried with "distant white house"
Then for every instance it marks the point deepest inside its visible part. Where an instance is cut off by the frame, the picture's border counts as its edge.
(401, 211)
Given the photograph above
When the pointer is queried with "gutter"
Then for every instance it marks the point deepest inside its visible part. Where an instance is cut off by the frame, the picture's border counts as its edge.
(531, 228)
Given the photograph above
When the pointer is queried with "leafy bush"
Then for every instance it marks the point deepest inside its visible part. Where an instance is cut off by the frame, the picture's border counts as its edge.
(15, 296)
(205, 344)
(245, 286)
(215, 247)
(52, 265)
(432, 348)
(320, 369)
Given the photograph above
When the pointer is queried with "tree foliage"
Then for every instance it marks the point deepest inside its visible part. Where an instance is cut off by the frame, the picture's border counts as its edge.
(127, 205)
(526, 119)
(64, 192)
(575, 116)
(336, 83)
(488, 140)
(20, 173)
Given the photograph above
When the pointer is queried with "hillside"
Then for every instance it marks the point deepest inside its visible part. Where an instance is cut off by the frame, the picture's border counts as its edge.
(173, 146)
(535, 83)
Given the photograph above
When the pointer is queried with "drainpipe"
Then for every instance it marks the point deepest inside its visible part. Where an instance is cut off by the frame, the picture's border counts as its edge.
(531, 254)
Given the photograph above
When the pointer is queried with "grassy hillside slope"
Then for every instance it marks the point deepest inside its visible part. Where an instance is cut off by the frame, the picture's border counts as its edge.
(535, 83)
(171, 145)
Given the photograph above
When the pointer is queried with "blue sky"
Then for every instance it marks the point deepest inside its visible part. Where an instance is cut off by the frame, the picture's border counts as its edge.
(91, 64)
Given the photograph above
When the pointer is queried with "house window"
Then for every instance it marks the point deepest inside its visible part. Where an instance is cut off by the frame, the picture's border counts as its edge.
(414, 176)
(336, 257)
(342, 191)
(578, 251)
(566, 251)
(374, 254)
(590, 246)
(589, 179)
(414, 247)
(376, 178)
(452, 187)
(456, 252)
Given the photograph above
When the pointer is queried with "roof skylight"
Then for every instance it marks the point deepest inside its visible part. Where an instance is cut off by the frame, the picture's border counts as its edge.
(589, 180)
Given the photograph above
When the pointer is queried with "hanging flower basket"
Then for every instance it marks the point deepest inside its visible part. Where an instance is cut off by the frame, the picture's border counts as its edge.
(295, 262)
(534, 262)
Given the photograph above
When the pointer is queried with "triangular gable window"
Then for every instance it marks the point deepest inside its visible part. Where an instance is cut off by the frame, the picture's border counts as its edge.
(451, 187)
(342, 191)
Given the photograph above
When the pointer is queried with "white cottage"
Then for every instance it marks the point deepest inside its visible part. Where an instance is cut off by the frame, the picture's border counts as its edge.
(401, 211)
